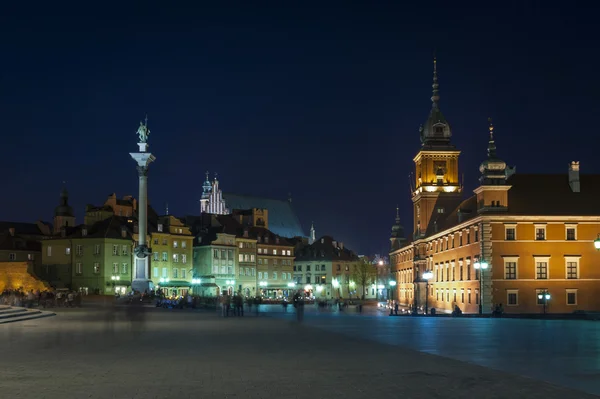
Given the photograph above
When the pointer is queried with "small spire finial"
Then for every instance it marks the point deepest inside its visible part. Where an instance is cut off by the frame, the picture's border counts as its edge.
(491, 142)
(436, 95)
(216, 175)
(207, 175)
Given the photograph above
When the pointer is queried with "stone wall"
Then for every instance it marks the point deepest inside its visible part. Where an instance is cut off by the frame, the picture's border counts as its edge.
(15, 275)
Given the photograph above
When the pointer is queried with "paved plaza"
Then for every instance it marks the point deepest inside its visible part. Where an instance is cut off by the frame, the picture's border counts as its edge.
(173, 353)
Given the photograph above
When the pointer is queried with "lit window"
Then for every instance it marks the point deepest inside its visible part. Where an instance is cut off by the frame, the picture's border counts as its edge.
(160, 227)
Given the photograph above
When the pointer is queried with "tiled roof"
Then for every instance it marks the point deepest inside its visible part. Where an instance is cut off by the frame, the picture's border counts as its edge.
(282, 218)
(9, 242)
(30, 229)
(324, 249)
(550, 194)
(529, 195)
(108, 228)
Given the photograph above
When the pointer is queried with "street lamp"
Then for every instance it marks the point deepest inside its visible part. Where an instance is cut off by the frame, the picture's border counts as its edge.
(545, 297)
(597, 243)
(427, 276)
(481, 266)
(392, 284)
(115, 278)
(336, 284)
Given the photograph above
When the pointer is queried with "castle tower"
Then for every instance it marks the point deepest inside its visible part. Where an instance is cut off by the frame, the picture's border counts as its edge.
(492, 194)
(143, 159)
(397, 239)
(436, 166)
(63, 213)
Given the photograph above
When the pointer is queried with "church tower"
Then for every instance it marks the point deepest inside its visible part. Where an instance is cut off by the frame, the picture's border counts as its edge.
(313, 234)
(492, 194)
(436, 166)
(206, 189)
(63, 213)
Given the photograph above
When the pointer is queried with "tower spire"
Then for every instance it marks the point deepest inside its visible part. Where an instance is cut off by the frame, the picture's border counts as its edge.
(397, 215)
(435, 98)
(491, 143)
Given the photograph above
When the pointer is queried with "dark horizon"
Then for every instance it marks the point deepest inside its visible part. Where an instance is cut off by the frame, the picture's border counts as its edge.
(322, 102)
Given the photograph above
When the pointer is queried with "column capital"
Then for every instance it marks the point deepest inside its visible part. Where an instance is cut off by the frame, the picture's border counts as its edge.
(142, 171)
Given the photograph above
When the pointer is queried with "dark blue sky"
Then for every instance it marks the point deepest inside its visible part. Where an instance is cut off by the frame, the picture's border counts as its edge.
(322, 101)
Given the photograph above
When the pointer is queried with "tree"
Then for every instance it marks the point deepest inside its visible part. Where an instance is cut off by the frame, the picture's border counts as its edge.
(364, 274)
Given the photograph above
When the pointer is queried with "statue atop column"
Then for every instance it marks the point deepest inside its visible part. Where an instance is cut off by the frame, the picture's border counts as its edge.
(143, 132)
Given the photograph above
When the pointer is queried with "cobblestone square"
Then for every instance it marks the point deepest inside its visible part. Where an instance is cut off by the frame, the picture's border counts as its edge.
(86, 353)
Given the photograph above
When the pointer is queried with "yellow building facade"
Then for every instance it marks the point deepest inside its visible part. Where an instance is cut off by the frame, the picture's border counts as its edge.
(522, 243)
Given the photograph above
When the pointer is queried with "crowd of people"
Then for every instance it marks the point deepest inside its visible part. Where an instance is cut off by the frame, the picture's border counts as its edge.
(37, 298)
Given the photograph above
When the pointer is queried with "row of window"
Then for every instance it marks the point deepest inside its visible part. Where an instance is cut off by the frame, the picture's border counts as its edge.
(13, 257)
(176, 230)
(512, 297)
(265, 251)
(510, 232)
(165, 257)
(176, 244)
(284, 262)
(265, 276)
(439, 295)
(441, 244)
(124, 250)
(97, 268)
(511, 269)
(175, 272)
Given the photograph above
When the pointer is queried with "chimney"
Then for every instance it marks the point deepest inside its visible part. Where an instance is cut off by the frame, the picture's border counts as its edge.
(574, 176)
(341, 245)
(11, 230)
(334, 243)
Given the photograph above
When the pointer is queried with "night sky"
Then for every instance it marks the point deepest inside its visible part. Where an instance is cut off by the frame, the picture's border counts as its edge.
(324, 102)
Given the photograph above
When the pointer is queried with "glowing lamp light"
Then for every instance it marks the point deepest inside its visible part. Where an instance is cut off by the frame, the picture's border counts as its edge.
(196, 281)
(597, 243)
(335, 283)
(319, 288)
(352, 284)
(380, 263)
(480, 265)
(308, 287)
(427, 275)
(392, 283)
(291, 285)
(263, 283)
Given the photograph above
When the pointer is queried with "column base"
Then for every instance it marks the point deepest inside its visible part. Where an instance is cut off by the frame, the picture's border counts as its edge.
(142, 286)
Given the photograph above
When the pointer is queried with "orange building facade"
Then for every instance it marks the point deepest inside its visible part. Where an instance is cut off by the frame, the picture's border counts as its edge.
(535, 233)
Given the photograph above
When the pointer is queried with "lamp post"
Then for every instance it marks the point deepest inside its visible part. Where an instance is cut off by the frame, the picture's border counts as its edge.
(545, 297)
(480, 265)
(336, 285)
(195, 283)
(427, 276)
(392, 284)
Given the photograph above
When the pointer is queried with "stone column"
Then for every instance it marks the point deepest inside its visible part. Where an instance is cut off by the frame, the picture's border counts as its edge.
(141, 281)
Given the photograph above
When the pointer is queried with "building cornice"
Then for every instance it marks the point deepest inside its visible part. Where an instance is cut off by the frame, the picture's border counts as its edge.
(480, 189)
(437, 153)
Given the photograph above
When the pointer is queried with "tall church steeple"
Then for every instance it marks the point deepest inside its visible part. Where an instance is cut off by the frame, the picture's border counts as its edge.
(313, 235)
(436, 166)
(63, 213)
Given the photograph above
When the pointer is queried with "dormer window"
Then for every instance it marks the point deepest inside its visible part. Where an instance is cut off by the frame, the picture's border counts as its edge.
(160, 227)
(440, 210)
(83, 232)
(123, 233)
(276, 240)
(267, 239)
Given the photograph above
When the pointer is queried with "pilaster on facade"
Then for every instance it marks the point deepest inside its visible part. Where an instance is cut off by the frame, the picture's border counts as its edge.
(485, 245)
